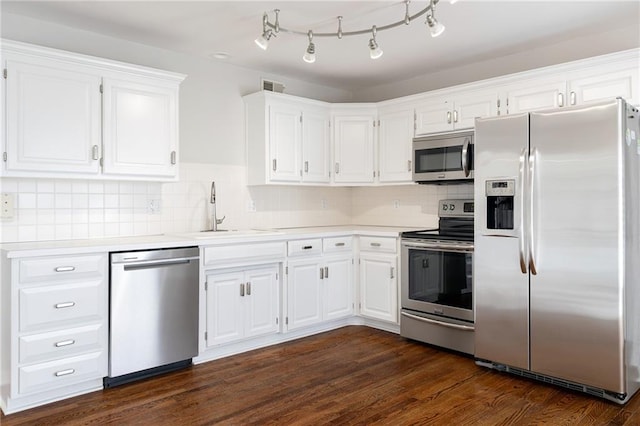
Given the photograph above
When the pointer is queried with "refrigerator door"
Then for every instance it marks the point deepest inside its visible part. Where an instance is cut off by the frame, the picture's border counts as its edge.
(501, 279)
(576, 245)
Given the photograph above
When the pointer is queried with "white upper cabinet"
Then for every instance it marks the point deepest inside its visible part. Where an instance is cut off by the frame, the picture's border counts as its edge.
(395, 135)
(287, 139)
(586, 87)
(140, 128)
(353, 146)
(53, 117)
(59, 124)
(448, 113)
(532, 96)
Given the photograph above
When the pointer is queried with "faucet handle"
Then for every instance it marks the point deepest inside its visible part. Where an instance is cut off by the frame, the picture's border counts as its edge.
(219, 221)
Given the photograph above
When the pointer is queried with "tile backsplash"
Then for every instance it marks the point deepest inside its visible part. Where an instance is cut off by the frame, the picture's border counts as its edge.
(49, 209)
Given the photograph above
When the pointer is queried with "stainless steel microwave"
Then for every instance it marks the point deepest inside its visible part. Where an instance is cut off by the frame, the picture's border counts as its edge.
(445, 158)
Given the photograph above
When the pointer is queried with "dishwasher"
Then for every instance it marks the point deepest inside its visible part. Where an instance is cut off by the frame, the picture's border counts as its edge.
(153, 313)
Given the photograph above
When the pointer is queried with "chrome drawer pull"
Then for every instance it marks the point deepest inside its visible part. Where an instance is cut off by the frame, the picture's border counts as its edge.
(339, 244)
(65, 268)
(65, 343)
(375, 244)
(65, 372)
(65, 305)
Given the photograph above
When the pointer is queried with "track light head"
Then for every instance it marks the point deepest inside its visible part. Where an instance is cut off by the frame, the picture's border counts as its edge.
(374, 50)
(310, 55)
(263, 40)
(435, 27)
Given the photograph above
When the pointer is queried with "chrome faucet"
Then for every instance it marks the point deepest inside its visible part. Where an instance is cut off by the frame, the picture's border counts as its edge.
(214, 220)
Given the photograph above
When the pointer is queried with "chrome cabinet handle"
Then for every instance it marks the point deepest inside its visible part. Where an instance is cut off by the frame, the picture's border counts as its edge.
(560, 100)
(408, 165)
(448, 117)
(455, 116)
(173, 157)
(306, 167)
(307, 247)
(94, 152)
(337, 168)
(64, 343)
(321, 273)
(326, 272)
(64, 305)
(339, 244)
(392, 275)
(241, 289)
(375, 244)
(65, 269)
(64, 372)
(274, 164)
(248, 288)
(572, 98)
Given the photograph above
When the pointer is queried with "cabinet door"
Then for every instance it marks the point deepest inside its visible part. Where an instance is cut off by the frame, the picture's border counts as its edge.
(261, 302)
(53, 118)
(533, 96)
(378, 287)
(315, 146)
(353, 145)
(304, 300)
(338, 288)
(284, 142)
(140, 129)
(433, 117)
(225, 315)
(394, 146)
(470, 106)
(622, 83)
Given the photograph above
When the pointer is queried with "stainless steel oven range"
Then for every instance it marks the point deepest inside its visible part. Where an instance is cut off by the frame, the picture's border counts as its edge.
(437, 280)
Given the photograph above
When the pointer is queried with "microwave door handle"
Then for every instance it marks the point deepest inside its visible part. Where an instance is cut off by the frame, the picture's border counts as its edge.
(522, 237)
(465, 157)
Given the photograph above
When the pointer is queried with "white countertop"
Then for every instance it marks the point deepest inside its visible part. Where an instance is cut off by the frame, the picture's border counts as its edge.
(149, 242)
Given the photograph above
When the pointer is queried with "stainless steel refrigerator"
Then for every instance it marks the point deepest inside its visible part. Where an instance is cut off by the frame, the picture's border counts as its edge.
(557, 247)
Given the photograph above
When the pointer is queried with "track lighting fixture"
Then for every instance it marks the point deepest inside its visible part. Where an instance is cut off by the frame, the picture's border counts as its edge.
(374, 50)
(435, 27)
(310, 55)
(272, 29)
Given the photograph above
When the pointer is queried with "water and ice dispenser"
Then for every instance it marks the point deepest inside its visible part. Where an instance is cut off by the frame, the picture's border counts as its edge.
(500, 196)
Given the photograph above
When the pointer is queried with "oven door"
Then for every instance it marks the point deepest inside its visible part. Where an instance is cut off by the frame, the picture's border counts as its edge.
(437, 278)
(443, 158)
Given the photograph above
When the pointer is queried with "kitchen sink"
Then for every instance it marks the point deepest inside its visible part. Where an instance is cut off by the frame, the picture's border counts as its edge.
(228, 233)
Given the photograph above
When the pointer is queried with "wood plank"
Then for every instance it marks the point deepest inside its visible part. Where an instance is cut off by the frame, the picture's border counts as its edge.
(354, 375)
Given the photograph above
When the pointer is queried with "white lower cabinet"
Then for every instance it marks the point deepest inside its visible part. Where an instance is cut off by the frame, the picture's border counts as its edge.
(241, 304)
(319, 287)
(55, 328)
(379, 278)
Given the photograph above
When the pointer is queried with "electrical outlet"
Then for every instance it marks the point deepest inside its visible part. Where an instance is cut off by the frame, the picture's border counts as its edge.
(7, 205)
(154, 206)
(251, 206)
(323, 204)
(396, 204)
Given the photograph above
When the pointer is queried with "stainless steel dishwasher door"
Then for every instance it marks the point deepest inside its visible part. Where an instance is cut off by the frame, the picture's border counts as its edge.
(153, 309)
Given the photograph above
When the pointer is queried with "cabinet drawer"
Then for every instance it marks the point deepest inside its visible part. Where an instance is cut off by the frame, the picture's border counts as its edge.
(62, 268)
(53, 306)
(63, 372)
(244, 253)
(305, 247)
(62, 343)
(378, 244)
(337, 244)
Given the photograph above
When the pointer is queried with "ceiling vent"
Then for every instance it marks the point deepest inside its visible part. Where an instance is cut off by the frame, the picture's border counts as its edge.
(272, 86)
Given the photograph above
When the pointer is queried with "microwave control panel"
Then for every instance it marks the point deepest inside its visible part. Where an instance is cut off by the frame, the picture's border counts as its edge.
(500, 188)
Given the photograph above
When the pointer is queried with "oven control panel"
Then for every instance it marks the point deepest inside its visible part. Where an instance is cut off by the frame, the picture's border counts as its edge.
(458, 208)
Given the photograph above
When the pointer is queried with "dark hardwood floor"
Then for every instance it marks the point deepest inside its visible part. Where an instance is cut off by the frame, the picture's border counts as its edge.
(354, 375)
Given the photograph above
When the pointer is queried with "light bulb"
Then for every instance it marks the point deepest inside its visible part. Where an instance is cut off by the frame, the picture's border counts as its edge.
(375, 52)
(263, 40)
(435, 27)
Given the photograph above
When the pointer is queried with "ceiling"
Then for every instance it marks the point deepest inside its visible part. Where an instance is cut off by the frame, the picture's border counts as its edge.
(476, 30)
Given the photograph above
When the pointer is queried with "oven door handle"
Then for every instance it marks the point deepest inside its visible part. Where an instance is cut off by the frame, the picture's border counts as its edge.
(458, 248)
(444, 324)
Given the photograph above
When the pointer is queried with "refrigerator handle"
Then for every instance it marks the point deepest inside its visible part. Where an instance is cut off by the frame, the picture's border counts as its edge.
(522, 237)
(532, 178)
